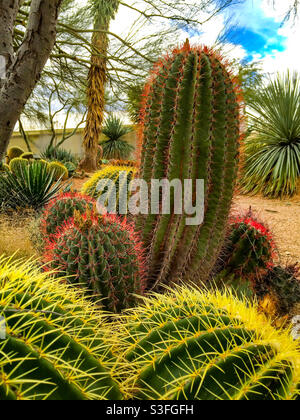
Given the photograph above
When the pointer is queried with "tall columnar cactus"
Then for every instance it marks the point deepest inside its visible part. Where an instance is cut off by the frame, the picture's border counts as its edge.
(52, 344)
(102, 253)
(62, 208)
(190, 130)
(120, 175)
(197, 345)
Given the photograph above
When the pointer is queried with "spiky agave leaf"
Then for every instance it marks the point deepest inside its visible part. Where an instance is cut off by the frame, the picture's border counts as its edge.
(55, 339)
(272, 165)
(192, 344)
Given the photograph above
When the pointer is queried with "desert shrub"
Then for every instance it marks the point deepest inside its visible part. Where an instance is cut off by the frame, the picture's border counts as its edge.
(15, 238)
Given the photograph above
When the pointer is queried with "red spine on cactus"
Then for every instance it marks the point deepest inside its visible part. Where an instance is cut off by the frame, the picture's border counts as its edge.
(251, 245)
(102, 253)
(62, 208)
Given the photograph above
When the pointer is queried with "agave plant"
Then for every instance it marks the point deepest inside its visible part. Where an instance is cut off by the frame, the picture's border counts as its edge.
(116, 147)
(59, 154)
(272, 165)
(30, 186)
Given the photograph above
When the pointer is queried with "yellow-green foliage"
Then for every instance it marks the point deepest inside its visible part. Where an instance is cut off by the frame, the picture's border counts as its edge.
(27, 155)
(54, 346)
(4, 167)
(109, 172)
(16, 164)
(191, 344)
(14, 152)
(59, 170)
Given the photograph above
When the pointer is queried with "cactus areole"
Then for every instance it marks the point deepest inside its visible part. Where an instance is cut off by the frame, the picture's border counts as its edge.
(190, 130)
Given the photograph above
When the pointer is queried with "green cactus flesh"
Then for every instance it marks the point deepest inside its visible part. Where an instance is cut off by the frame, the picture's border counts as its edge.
(54, 346)
(102, 253)
(62, 208)
(197, 345)
(190, 130)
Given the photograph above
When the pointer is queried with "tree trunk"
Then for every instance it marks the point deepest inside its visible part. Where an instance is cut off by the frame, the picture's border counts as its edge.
(24, 68)
(96, 85)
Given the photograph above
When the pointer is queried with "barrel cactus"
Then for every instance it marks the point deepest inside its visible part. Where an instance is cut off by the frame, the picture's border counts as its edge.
(59, 170)
(250, 248)
(17, 164)
(27, 155)
(120, 175)
(196, 345)
(14, 152)
(54, 344)
(190, 131)
(282, 284)
(62, 208)
(104, 254)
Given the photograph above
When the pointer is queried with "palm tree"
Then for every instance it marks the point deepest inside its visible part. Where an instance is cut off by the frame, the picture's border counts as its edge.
(272, 164)
(103, 11)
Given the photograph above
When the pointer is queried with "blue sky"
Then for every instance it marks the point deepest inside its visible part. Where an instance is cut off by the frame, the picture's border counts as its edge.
(256, 32)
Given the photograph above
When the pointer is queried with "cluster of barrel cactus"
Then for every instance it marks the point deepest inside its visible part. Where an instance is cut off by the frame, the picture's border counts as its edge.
(186, 344)
(191, 344)
(54, 345)
(104, 254)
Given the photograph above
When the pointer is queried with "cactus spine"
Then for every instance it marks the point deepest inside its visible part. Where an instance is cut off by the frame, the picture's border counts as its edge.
(196, 345)
(55, 340)
(190, 130)
(103, 253)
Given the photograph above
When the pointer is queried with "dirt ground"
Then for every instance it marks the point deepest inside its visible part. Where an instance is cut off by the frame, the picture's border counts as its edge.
(282, 217)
